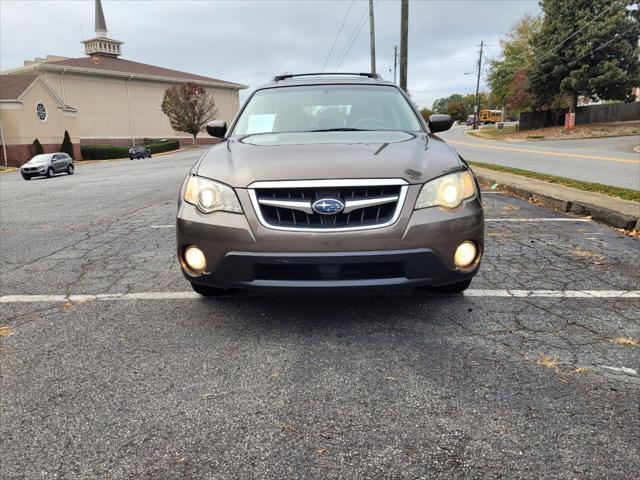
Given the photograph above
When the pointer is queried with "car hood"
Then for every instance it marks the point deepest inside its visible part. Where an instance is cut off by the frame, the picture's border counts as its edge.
(35, 164)
(415, 157)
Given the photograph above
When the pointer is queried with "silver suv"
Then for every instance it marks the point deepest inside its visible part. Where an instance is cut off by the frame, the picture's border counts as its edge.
(47, 165)
(330, 184)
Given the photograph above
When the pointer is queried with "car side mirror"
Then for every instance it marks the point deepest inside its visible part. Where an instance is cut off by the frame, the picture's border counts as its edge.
(217, 128)
(439, 122)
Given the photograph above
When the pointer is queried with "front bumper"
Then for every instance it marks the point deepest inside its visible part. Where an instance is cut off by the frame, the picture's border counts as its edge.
(417, 250)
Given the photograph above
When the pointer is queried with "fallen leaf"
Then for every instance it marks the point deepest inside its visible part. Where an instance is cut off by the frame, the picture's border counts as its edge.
(581, 370)
(320, 451)
(627, 342)
(391, 378)
(5, 331)
(546, 361)
(67, 306)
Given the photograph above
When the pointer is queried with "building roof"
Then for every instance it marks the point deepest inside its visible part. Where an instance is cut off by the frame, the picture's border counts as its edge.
(119, 65)
(13, 86)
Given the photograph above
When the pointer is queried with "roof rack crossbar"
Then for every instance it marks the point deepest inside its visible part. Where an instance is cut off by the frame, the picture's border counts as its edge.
(279, 78)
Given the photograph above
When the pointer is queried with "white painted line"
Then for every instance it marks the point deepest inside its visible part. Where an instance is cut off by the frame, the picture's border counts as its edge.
(625, 370)
(537, 220)
(163, 226)
(192, 295)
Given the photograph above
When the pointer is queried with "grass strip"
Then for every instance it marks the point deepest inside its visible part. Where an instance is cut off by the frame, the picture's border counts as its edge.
(618, 192)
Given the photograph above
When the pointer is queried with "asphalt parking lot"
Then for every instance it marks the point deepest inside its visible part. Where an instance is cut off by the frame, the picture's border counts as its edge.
(112, 368)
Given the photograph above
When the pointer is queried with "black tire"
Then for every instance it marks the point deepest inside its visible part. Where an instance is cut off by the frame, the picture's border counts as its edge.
(207, 291)
(130, 158)
(26, 178)
(452, 288)
(50, 173)
(70, 169)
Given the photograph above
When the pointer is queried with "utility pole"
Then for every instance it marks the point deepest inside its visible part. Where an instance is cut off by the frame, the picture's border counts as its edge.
(404, 38)
(395, 62)
(476, 111)
(372, 37)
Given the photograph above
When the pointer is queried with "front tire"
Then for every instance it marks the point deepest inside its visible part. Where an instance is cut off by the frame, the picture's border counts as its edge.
(207, 291)
(452, 288)
(70, 169)
(50, 173)
(26, 178)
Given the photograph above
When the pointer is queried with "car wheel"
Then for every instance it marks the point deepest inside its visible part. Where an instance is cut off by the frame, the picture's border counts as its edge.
(26, 178)
(50, 173)
(458, 287)
(207, 291)
(130, 158)
(70, 169)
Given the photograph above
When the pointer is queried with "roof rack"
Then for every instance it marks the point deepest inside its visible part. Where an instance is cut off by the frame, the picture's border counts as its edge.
(279, 78)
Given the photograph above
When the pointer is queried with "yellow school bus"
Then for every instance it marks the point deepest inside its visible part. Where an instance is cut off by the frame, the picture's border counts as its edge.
(490, 116)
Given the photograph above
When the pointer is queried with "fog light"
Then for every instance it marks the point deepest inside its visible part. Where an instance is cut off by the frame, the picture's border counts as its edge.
(465, 254)
(194, 258)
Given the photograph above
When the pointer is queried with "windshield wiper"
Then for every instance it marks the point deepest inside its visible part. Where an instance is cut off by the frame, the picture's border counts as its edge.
(341, 129)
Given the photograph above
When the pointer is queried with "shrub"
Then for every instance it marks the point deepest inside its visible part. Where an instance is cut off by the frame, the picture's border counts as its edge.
(37, 147)
(103, 152)
(67, 146)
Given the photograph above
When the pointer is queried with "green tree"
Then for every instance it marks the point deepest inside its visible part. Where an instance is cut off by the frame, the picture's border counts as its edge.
(585, 47)
(67, 146)
(426, 113)
(37, 147)
(189, 107)
(506, 73)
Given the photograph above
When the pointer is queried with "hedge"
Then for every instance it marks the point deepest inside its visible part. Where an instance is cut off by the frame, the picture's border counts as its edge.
(102, 152)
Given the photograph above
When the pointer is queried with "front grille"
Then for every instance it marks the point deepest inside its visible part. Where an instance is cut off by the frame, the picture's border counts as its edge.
(290, 208)
(346, 271)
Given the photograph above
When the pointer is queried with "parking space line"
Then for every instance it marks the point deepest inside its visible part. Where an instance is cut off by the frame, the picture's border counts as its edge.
(506, 293)
(561, 219)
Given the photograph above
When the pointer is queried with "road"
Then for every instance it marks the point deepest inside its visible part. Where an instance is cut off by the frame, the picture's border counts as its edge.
(526, 376)
(610, 161)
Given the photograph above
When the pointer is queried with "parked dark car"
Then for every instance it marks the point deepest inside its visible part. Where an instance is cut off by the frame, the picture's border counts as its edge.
(47, 165)
(330, 184)
(139, 152)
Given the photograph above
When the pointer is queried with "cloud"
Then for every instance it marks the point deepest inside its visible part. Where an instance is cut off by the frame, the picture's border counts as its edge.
(250, 41)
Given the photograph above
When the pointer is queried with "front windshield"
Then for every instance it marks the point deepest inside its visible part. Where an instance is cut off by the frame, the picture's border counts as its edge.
(327, 107)
(41, 158)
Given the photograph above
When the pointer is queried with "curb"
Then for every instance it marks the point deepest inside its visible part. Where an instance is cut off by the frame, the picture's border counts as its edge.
(8, 170)
(597, 213)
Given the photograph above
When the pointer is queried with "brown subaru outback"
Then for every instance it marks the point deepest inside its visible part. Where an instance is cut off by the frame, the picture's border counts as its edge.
(330, 184)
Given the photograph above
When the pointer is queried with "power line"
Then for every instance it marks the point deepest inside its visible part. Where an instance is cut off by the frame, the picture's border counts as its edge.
(344, 20)
(354, 37)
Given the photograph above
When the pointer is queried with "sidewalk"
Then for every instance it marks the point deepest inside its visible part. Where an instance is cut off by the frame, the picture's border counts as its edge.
(602, 208)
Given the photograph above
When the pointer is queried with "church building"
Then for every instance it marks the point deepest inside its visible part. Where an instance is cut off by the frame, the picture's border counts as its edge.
(99, 99)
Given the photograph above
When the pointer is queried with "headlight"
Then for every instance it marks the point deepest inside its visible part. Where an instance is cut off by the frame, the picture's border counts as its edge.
(448, 191)
(210, 196)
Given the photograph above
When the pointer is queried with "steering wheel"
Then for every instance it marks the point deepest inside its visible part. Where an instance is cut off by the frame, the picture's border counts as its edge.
(369, 121)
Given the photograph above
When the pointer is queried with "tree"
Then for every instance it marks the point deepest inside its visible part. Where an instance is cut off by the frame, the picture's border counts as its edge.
(585, 47)
(426, 113)
(189, 107)
(507, 74)
(67, 146)
(37, 147)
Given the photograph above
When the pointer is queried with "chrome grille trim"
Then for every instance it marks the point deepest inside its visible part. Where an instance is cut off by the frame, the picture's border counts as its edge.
(341, 183)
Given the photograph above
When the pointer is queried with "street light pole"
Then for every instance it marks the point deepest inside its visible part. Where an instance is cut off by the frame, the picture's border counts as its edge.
(372, 37)
(476, 111)
(395, 62)
(404, 38)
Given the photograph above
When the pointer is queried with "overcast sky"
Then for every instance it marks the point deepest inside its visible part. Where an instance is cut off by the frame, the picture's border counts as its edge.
(250, 41)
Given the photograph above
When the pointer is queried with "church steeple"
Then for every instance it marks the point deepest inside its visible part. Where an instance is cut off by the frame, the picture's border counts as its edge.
(101, 24)
(102, 45)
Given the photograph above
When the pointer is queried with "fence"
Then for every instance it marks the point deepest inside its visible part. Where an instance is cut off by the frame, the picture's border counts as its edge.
(611, 112)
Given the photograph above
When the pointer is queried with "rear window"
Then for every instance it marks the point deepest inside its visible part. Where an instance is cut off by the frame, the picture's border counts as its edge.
(327, 107)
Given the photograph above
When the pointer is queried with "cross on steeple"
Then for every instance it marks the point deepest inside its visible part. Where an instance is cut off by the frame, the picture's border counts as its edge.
(102, 45)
